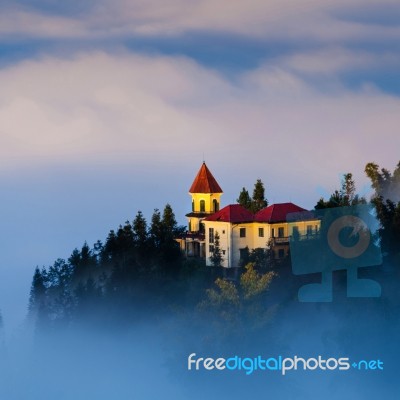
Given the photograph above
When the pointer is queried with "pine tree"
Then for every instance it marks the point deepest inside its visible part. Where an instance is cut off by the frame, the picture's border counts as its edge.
(110, 248)
(170, 248)
(140, 230)
(344, 197)
(156, 229)
(38, 291)
(125, 239)
(169, 221)
(244, 199)
(348, 191)
(258, 201)
(216, 255)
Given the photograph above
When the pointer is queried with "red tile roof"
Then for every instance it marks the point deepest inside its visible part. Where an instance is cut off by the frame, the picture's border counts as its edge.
(277, 212)
(234, 213)
(205, 182)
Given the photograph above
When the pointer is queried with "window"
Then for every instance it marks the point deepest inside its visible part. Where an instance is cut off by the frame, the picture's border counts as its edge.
(190, 226)
(223, 252)
(242, 232)
(260, 232)
(193, 205)
(309, 229)
(215, 205)
(273, 232)
(201, 228)
(211, 235)
(295, 231)
(281, 253)
(281, 232)
(223, 232)
(202, 206)
(211, 248)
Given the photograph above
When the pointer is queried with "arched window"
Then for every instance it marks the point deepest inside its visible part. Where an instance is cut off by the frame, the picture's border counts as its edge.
(202, 206)
(215, 205)
(193, 205)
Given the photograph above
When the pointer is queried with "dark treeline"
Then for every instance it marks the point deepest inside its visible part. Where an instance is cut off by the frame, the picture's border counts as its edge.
(138, 268)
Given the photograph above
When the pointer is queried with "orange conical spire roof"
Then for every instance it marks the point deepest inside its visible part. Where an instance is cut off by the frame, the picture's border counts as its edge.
(205, 182)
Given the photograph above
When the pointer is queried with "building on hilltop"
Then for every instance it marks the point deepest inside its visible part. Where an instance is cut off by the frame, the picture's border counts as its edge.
(238, 229)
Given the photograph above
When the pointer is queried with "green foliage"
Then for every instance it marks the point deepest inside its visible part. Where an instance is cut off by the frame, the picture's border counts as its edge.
(258, 200)
(344, 197)
(240, 306)
(387, 202)
(385, 184)
(258, 257)
(216, 255)
(244, 199)
(253, 284)
(261, 258)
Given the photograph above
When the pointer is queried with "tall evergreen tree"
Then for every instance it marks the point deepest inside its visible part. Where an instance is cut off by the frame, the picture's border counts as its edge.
(125, 239)
(156, 229)
(344, 197)
(170, 248)
(244, 199)
(110, 248)
(258, 200)
(169, 221)
(216, 255)
(348, 189)
(140, 230)
(38, 291)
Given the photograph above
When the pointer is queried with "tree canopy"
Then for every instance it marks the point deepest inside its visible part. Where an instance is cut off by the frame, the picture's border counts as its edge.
(257, 202)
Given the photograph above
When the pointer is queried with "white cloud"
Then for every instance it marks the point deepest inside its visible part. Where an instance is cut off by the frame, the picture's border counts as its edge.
(98, 107)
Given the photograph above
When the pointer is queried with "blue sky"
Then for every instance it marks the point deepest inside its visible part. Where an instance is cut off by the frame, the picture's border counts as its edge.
(107, 107)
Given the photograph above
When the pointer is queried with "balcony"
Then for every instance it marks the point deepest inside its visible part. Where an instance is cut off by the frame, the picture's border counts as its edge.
(280, 240)
(194, 236)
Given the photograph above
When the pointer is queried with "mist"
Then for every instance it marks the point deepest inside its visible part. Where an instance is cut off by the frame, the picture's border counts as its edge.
(111, 353)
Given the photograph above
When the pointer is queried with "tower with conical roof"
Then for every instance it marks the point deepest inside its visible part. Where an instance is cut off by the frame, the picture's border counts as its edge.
(206, 194)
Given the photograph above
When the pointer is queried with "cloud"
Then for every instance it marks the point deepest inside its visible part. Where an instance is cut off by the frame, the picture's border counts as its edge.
(99, 104)
(19, 23)
(289, 20)
(334, 60)
(99, 107)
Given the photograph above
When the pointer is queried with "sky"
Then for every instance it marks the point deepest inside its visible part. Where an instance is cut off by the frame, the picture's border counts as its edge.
(110, 107)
